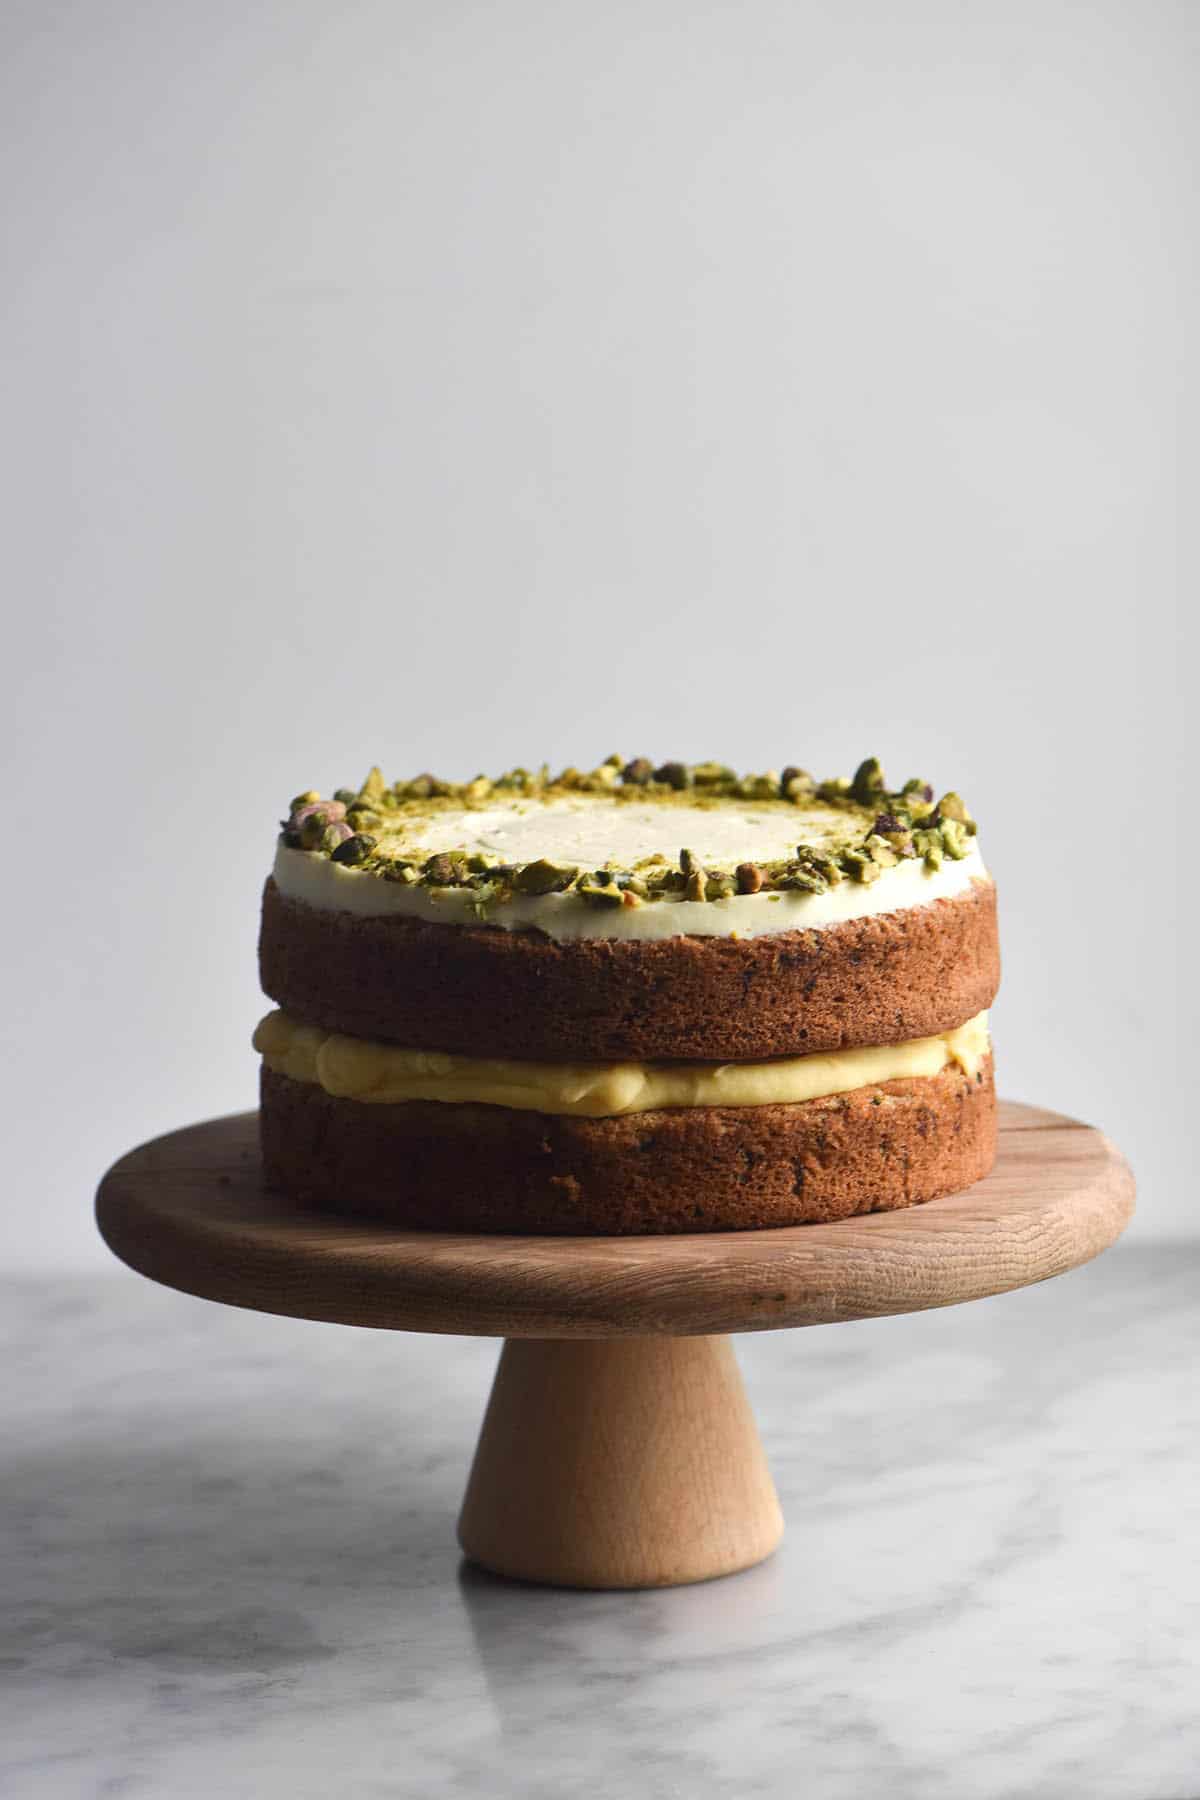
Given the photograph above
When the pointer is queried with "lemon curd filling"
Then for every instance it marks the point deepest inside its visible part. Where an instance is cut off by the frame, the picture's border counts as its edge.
(356, 1069)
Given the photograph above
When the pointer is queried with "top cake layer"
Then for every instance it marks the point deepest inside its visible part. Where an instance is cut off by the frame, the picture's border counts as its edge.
(628, 851)
(631, 914)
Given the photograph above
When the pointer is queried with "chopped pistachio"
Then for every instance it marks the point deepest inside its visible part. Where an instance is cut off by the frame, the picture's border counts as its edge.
(861, 866)
(881, 851)
(689, 862)
(598, 892)
(719, 885)
(446, 871)
(829, 868)
(374, 787)
(312, 820)
(543, 877)
(796, 784)
(928, 844)
(638, 772)
(355, 848)
(674, 774)
(696, 886)
(758, 787)
(952, 806)
(305, 799)
(955, 839)
(869, 782)
(801, 879)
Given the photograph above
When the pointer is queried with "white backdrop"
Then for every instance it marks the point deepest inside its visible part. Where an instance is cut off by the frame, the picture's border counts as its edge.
(454, 385)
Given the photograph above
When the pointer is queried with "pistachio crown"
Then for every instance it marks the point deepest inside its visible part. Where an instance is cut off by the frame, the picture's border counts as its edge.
(376, 828)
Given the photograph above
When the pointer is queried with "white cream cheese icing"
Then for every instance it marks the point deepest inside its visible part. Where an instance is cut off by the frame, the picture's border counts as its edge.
(596, 832)
(330, 887)
(357, 1069)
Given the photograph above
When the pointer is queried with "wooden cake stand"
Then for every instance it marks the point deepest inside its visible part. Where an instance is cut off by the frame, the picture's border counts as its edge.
(618, 1449)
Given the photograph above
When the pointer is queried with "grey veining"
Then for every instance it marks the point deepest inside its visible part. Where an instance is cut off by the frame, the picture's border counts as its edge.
(230, 1565)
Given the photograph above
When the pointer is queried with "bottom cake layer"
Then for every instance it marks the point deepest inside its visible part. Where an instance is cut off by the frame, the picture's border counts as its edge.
(439, 1167)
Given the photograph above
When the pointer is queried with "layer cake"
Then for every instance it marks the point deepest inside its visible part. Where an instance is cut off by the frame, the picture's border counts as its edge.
(641, 998)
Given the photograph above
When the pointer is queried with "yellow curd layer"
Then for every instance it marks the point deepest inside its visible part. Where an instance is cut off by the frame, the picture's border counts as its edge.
(356, 1069)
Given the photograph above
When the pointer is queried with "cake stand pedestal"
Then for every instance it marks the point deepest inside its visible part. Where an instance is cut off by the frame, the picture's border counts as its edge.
(618, 1449)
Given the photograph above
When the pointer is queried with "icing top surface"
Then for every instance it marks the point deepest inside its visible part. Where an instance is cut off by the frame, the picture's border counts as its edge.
(599, 832)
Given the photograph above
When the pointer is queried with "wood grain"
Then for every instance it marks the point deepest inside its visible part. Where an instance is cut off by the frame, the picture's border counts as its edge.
(189, 1210)
(631, 1463)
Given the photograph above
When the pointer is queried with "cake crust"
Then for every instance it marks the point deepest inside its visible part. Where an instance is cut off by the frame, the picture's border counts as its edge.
(481, 991)
(486, 1168)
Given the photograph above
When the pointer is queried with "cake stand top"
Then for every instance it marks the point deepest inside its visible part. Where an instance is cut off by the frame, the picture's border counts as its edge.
(189, 1210)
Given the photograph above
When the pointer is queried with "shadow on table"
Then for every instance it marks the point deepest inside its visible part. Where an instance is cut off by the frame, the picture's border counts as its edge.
(222, 1555)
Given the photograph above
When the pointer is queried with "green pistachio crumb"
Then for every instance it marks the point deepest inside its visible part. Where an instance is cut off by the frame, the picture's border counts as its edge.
(757, 787)
(955, 839)
(354, 849)
(796, 784)
(446, 871)
(881, 851)
(799, 878)
(861, 866)
(869, 782)
(952, 806)
(638, 772)
(712, 774)
(543, 877)
(674, 775)
(598, 891)
(928, 844)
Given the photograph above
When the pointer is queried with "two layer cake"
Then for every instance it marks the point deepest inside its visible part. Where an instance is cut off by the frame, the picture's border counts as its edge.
(638, 999)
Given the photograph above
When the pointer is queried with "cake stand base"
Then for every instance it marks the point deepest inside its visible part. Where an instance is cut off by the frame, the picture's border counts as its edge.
(618, 1448)
(631, 1463)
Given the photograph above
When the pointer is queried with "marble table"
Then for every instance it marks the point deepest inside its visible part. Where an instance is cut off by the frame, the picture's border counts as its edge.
(230, 1569)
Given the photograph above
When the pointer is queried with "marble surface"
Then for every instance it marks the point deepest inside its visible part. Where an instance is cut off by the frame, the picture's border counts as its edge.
(229, 1565)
